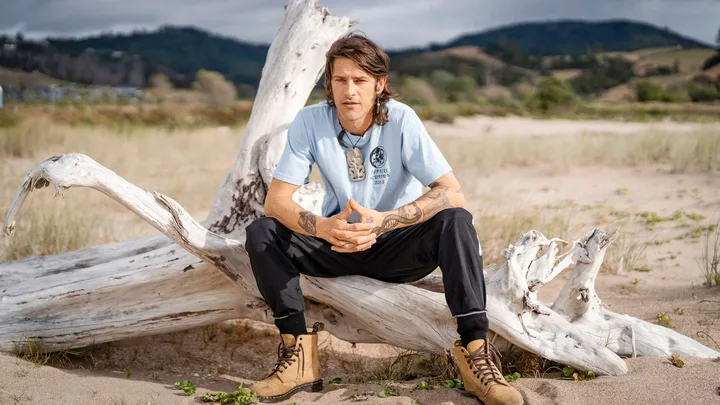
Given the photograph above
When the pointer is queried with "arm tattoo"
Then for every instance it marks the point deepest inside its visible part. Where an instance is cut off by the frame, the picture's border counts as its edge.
(438, 200)
(307, 222)
(407, 214)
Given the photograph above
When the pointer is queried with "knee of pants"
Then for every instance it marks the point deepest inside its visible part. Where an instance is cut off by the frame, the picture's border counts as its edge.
(259, 233)
(453, 214)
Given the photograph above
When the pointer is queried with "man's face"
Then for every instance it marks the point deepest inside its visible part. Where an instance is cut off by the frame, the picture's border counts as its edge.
(354, 90)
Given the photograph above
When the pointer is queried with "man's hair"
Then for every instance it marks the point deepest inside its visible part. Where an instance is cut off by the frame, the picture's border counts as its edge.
(370, 58)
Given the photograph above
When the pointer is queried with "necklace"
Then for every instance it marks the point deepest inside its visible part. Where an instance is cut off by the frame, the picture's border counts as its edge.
(355, 161)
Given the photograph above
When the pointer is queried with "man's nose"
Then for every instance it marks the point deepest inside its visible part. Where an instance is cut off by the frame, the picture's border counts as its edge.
(351, 88)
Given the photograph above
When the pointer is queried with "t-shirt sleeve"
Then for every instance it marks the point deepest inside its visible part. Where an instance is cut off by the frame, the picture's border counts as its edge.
(420, 154)
(296, 160)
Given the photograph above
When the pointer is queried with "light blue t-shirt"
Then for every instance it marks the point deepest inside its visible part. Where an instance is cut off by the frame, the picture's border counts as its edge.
(399, 158)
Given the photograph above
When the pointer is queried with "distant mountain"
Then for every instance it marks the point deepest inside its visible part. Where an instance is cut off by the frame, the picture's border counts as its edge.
(130, 59)
(183, 50)
(576, 37)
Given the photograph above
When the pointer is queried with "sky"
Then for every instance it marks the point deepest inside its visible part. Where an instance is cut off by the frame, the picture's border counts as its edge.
(392, 24)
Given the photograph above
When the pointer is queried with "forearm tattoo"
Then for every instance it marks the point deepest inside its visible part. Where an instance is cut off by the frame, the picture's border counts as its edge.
(307, 221)
(406, 215)
(438, 200)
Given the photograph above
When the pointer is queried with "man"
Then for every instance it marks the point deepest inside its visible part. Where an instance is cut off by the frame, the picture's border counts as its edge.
(374, 157)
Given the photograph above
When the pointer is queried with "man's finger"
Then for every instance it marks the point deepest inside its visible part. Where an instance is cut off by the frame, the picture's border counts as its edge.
(337, 242)
(351, 248)
(350, 236)
(356, 227)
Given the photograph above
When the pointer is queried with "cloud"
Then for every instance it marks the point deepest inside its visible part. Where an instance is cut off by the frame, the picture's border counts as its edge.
(396, 24)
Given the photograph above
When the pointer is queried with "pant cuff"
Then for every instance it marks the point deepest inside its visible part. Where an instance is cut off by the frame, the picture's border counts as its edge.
(472, 326)
(292, 324)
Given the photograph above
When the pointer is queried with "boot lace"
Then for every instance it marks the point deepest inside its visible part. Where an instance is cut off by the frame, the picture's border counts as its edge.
(484, 368)
(286, 356)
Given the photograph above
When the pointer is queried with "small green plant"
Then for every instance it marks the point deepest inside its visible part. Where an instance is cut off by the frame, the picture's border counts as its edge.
(636, 281)
(187, 386)
(621, 191)
(643, 269)
(424, 385)
(577, 375)
(679, 310)
(390, 392)
(676, 361)
(512, 377)
(241, 396)
(336, 380)
(663, 319)
(454, 383)
(128, 373)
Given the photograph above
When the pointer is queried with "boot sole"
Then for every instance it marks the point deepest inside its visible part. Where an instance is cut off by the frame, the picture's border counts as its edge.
(315, 386)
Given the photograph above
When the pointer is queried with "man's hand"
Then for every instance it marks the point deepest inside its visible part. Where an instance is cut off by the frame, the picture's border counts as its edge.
(368, 216)
(345, 237)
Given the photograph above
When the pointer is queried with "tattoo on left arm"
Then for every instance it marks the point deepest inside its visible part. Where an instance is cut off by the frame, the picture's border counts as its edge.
(434, 201)
(407, 215)
(438, 200)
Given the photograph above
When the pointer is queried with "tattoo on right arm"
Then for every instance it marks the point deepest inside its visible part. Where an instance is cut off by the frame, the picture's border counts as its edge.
(307, 222)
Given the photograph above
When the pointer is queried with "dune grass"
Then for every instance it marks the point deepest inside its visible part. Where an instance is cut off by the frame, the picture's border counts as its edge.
(698, 151)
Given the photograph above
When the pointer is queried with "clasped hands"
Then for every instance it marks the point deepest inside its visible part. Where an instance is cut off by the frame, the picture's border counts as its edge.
(349, 238)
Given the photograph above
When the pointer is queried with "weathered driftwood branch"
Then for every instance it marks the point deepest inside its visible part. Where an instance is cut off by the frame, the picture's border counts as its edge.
(200, 273)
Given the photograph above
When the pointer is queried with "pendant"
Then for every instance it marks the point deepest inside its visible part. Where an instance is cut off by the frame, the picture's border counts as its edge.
(356, 169)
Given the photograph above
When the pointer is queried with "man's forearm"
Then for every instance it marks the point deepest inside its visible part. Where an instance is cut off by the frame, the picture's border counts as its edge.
(293, 216)
(438, 198)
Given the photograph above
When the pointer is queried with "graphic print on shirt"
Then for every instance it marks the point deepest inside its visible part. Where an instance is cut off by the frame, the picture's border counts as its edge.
(380, 174)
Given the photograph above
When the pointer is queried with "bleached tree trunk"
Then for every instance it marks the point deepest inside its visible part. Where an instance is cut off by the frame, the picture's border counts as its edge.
(199, 273)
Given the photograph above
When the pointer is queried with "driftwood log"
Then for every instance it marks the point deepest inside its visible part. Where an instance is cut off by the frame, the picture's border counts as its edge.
(198, 273)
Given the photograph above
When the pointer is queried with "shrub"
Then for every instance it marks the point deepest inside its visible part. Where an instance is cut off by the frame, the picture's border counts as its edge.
(551, 94)
(218, 91)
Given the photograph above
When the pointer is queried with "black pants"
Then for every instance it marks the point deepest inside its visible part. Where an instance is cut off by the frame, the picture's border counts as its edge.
(448, 240)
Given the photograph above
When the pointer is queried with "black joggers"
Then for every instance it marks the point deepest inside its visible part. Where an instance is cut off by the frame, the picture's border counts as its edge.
(448, 240)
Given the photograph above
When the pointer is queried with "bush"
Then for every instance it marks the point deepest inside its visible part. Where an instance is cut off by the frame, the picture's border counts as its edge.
(417, 91)
(218, 91)
(712, 61)
(703, 88)
(552, 94)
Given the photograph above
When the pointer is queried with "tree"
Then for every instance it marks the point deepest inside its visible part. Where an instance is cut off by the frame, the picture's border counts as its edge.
(198, 272)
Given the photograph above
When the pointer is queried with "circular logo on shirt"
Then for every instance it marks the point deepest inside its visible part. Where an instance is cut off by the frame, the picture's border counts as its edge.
(377, 157)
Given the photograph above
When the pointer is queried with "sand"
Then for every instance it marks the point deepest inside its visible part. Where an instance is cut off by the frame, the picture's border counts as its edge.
(219, 357)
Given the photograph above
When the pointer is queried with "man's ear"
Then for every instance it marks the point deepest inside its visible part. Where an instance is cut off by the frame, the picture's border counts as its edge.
(381, 84)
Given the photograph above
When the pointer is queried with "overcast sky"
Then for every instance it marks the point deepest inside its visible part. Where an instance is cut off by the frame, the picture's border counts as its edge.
(392, 23)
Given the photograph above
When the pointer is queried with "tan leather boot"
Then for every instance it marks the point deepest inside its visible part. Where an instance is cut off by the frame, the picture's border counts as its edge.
(297, 368)
(481, 377)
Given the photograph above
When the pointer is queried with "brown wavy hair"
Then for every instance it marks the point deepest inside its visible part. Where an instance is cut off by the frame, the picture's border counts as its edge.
(370, 58)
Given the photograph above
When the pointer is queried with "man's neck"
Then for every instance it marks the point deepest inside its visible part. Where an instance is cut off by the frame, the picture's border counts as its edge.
(357, 127)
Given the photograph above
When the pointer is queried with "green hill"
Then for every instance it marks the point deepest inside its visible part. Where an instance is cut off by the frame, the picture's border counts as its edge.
(575, 37)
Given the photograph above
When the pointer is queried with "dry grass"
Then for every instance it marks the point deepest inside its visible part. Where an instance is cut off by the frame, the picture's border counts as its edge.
(186, 165)
(709, 261)
(682, 153)
(51, 231)
(624, 254)
(497, 232)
